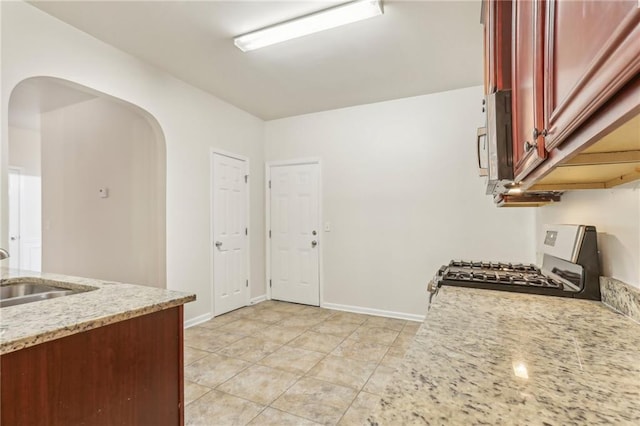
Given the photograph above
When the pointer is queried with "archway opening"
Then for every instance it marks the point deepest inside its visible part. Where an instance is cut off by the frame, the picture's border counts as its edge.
(87, 184)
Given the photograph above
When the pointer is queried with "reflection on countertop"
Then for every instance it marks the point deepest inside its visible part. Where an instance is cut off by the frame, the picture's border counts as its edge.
(489, 357)
(108, 302)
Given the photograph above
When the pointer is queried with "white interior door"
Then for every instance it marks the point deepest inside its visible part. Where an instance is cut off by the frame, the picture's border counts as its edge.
(15, 183)
(295, 232)
(229, 209)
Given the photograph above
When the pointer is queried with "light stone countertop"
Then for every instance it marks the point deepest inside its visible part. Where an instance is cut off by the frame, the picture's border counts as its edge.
(490, 357)
(29, 324)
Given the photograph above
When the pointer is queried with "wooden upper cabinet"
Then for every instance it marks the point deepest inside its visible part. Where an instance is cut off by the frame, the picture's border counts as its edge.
(527, 82)
(591, 49)
(496, 18)
(486, 42)
(573, 71)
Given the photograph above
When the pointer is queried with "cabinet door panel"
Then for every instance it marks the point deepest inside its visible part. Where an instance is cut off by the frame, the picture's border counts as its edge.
(526, 81)
(126, 373)
(487, 46)
(496, 17)
(592, 49)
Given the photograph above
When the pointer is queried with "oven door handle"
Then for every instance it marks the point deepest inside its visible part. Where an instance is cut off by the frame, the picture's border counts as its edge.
(482, 134)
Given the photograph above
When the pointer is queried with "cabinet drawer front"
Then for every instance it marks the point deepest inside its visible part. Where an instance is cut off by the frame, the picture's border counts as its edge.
(591, 51)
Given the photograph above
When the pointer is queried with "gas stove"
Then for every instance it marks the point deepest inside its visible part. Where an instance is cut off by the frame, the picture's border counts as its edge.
(570, 268)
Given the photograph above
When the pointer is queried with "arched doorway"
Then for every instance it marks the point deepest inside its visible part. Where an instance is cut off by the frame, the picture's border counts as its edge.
(87, 176)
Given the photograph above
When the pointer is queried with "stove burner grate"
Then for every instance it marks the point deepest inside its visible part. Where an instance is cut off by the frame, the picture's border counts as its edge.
(495, 266)
(501, 277)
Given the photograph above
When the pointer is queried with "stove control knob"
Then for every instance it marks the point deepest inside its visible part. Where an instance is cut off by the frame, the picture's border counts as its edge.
(432, 288)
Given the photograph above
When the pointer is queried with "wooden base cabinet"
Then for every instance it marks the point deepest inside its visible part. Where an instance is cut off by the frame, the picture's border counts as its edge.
(126, 373)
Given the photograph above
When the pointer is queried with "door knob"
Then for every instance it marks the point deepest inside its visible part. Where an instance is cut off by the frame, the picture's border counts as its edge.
(14, 238)
(314, 243)
(218, 244)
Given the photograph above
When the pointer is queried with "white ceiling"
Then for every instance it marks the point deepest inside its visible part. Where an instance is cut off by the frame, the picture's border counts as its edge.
(415, 48)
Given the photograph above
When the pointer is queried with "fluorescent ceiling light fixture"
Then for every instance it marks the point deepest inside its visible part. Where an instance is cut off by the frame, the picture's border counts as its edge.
(309, 24)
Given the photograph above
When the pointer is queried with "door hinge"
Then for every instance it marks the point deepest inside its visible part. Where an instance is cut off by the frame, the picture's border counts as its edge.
(247, 283)
(246, 231)
(269, 233)
(246, 178)
(269, 184)
(270, 284)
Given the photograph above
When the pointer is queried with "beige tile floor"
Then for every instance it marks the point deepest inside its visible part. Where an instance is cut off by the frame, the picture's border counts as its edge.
(278, 363)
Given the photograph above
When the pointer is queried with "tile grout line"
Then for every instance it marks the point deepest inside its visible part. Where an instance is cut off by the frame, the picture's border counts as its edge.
(265, 406)
(306, 374)
(255, 334)
(285, 391)
(210, 389)
(349, 407)
(246, 368)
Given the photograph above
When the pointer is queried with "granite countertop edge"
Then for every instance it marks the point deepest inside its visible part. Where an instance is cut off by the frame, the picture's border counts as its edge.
(575, 361)
(98, 304)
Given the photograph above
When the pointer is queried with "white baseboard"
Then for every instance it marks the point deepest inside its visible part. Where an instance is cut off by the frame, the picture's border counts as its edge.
(376, 312)
(258, 299)
(197, 320)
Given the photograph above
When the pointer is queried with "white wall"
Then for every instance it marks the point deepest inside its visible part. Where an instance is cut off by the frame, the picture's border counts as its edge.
(616, 215)
(36, 44)
(401, 192)
(24, 152)
(88, 146)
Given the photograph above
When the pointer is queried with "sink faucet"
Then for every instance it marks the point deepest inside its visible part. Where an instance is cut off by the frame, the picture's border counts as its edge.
(3, 254)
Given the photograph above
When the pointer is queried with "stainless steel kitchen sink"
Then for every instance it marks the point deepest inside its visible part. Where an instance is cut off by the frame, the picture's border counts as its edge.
(20, 292)
(24, 289)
